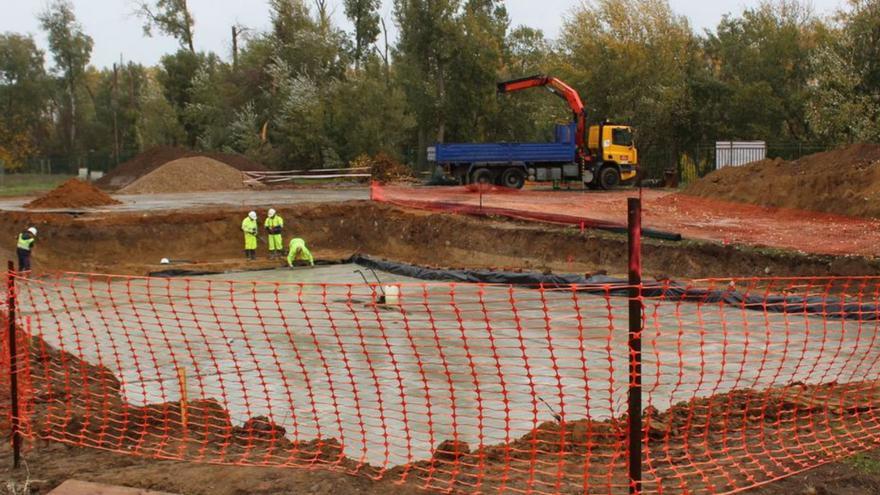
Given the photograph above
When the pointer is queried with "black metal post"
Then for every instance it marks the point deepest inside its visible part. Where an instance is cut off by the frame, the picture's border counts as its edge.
(634, 216)
(13, 366)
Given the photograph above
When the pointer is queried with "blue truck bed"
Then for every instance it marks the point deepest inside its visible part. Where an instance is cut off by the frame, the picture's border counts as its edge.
(561, 151)
(505, 153)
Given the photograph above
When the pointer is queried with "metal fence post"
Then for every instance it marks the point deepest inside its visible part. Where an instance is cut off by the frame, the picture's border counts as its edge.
(634, 216)
(13, 366)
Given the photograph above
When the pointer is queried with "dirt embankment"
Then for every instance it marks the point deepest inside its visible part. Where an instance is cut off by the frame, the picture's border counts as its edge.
(73, 194)
(134, 244)
(190, 174)
(844, 181)
(154, 158)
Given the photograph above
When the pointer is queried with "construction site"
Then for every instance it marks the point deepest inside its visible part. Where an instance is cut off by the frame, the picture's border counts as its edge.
(464, 339)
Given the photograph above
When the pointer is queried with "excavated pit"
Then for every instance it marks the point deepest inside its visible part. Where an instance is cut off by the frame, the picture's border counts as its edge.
(210, 240)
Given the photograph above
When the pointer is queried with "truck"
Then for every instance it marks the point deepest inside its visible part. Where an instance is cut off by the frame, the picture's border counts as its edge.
(600, 156)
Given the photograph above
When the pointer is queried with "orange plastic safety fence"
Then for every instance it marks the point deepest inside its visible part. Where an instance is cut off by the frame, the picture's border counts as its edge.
(458, 386)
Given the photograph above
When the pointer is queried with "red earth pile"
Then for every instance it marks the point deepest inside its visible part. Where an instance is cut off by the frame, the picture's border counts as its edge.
(73, 194)
(153, 158)
(844, 181)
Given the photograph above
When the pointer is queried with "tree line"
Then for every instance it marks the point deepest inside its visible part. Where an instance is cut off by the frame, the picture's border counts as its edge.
(306, 93)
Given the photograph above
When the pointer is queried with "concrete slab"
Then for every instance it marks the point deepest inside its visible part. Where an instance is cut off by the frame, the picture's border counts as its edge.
(457, 361)
(74, 487)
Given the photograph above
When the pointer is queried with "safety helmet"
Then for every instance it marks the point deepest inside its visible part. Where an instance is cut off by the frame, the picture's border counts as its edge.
(272, 212)
(165, 261)
(33, 230)
(252, 215)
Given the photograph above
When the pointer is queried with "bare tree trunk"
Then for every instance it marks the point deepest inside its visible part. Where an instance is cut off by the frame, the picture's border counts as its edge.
(441, 99)
(71, 97)
(385, 54)
(115, 105)
(234, 47)
(189, 30)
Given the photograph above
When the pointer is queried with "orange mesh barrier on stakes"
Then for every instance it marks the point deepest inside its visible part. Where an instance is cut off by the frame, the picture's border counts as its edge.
(462, 387)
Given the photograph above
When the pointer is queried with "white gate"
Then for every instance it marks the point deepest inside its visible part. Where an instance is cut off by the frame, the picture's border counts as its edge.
(736, 153)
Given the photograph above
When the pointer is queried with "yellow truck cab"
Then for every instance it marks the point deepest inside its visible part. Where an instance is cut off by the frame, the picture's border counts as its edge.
(615, 153)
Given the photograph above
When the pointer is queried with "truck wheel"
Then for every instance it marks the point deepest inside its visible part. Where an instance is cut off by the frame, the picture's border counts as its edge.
(482, 176)
(513, 178)
(609, 177)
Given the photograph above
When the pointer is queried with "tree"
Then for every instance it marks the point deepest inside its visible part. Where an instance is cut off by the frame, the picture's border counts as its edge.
(24, 92)
(629, 60)
(171, 17)
(364, 14)
(424, 55)
(762, 59)
(844, 94)
(71, 50)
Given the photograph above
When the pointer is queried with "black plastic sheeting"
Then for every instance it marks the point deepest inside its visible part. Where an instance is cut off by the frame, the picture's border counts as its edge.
(831, 307)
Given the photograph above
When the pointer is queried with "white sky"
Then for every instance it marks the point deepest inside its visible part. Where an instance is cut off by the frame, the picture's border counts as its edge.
(117, 32)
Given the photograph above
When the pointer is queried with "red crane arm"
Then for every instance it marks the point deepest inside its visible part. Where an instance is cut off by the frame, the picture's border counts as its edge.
(558, 88)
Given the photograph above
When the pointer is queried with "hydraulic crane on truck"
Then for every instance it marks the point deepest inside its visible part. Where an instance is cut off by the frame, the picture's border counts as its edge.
(606, 152)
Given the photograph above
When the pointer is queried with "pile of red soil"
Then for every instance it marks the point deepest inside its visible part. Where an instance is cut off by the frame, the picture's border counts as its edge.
(73, 194)
(844, 181)
(153, 158)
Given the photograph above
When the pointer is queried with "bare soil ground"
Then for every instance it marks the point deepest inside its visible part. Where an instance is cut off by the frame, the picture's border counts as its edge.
(844, 181)
(210, 240)
(693, 217)
(133, 243)
(73, 194)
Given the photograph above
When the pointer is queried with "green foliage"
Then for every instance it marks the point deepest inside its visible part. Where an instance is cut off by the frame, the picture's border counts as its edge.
(844, 103)
(171, 17)
(364, 14)
(71, 50)
(304, 93)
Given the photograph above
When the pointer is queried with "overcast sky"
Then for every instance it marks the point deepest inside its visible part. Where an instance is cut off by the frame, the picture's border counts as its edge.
(118, 33)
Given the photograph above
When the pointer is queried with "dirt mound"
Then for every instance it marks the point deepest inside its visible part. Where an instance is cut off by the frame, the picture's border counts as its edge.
(153, 158)
(844, 181)
(189, 174)
(73, 194)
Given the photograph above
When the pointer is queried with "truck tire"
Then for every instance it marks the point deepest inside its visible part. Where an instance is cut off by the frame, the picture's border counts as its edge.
(482, 176)
(609, 177)
(514, 178)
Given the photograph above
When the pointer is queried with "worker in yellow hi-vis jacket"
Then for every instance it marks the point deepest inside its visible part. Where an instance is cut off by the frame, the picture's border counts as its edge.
(249, 227)
(274, 225)
(299, 251)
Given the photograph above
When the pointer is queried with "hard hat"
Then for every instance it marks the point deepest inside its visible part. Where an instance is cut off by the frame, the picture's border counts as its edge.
(252, 215)
(271, 212)
(33, 230)
(165, 261)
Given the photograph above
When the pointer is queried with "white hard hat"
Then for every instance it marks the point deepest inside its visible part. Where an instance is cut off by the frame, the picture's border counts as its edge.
(272, 212)
(253, 215)
(165, 261)
(33, 230)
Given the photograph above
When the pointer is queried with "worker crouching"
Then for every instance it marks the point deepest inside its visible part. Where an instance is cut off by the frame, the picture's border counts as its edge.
(274, 226)
(249, 227)
(299, 251)
(24, 248)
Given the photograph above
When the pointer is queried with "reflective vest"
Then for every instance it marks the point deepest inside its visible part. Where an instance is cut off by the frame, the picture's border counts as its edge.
(274, 224)
(26, 241)
(249, 226)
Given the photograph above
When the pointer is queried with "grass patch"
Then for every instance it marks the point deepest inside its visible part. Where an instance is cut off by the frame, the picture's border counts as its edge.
(865, 464)
(29, 184)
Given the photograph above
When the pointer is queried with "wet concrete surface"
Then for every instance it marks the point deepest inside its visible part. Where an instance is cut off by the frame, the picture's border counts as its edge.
(200, 200)
(482, 364)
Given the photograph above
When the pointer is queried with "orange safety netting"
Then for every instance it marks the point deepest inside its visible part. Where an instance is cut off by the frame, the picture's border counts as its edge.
(665, 213)
(463, 387)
